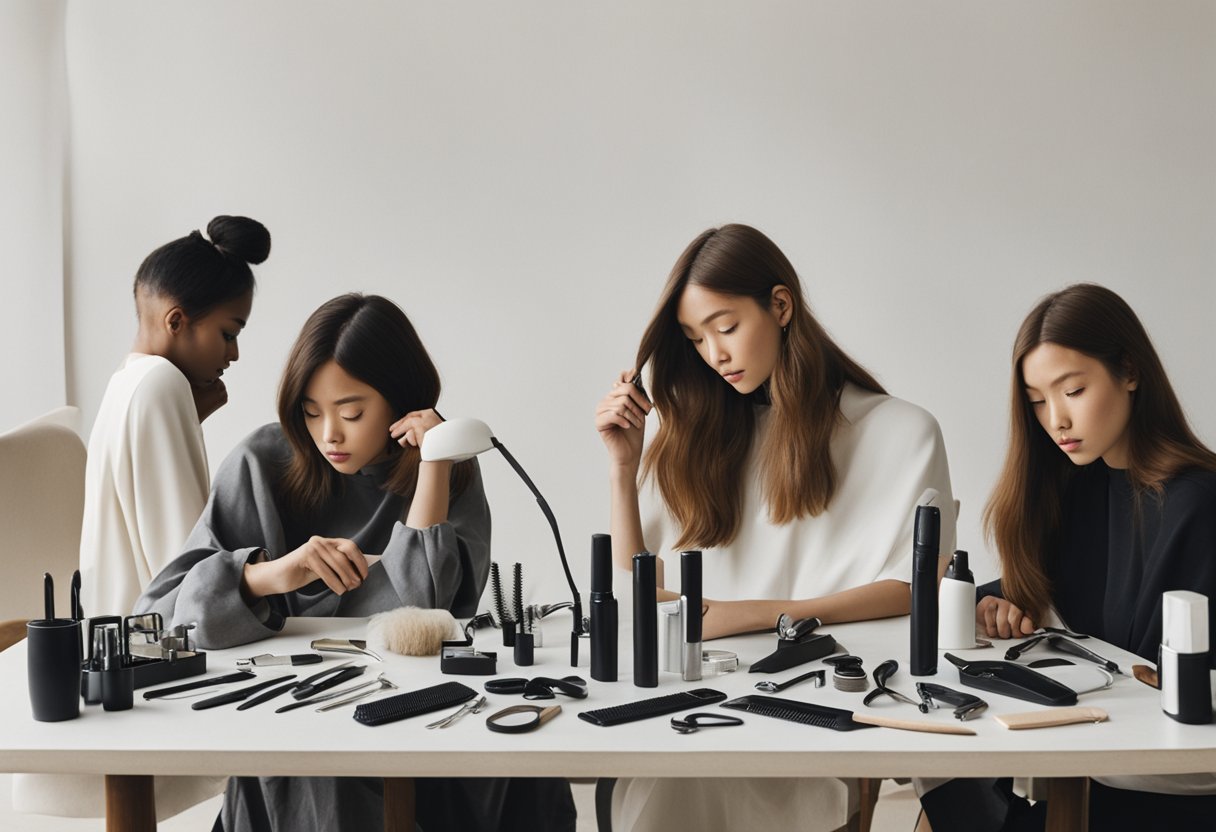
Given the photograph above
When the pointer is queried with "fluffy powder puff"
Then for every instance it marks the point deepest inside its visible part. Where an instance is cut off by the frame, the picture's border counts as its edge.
(413, 631)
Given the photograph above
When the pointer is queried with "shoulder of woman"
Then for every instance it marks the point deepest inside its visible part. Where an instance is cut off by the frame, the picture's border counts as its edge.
(265, 446)
(156, 378)
(887, 415)
(1192, 493)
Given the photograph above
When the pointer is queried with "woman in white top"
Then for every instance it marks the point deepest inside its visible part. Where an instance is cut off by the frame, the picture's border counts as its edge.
(787, 464)
(147, 478)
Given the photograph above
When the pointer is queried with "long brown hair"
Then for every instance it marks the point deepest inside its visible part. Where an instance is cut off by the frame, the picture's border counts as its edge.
(1023, 514)
(372, 340)
(706, 428)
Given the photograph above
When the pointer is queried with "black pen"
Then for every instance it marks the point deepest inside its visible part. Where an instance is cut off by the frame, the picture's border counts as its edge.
(48, 595)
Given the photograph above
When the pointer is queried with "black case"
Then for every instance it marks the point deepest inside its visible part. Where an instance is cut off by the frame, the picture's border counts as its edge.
(1014, 680)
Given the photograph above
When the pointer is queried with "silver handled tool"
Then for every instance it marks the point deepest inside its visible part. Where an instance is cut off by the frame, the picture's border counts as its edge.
(269, 659)
(375, 686)
(344, 645)
(769, 686)
(473, 706)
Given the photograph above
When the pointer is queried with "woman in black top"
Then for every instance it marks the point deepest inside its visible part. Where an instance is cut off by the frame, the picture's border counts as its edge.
(1107, 499)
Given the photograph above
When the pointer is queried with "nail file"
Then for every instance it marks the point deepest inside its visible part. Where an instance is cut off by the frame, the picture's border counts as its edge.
(239, 676)
(266, 696)
(237, 695)
(1052, 717)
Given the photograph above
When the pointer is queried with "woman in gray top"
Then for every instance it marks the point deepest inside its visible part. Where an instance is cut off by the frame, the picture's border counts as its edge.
(292, 512)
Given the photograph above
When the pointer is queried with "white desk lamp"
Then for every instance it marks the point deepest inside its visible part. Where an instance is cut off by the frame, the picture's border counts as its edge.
(456, 440)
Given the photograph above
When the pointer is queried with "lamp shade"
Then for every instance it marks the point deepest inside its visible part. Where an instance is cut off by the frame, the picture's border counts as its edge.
(456, 440)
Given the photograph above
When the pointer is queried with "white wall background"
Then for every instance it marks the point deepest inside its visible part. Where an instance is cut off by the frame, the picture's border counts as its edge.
(520, 177)
(33, 128)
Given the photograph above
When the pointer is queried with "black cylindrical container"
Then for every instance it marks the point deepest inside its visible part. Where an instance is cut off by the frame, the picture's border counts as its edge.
(925, 546)
(53, 661)
(604, 620)
(645, 622)
(523, 649)
(691, 601)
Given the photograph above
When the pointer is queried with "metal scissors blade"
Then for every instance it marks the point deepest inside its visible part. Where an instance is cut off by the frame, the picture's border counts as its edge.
(473, 706)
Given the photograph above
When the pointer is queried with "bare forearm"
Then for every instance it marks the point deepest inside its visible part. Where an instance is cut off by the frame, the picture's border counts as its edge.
(881, 599)
(430, 503)
(626, 518)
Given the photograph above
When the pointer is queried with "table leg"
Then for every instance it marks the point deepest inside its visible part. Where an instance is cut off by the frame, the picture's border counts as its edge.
(1067, 804)
(399, 811)
(130, 803)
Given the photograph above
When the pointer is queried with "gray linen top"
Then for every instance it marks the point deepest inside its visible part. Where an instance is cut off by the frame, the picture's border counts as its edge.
(445, 565)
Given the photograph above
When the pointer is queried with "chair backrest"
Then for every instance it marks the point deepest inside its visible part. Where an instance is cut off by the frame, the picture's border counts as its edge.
(41, 507)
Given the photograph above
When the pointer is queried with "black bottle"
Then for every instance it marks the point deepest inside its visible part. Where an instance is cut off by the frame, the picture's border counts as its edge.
(603, 611)
(925, 546)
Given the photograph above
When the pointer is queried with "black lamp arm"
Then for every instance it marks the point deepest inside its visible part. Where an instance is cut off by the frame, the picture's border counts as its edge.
(577, 609)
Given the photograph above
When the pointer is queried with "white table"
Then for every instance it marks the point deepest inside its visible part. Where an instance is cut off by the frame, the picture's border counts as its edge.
(167, 737)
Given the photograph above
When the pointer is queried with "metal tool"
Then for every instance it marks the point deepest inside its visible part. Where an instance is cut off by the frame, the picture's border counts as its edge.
(334, 694)
(326, 679)
(270, 659)
(474, 706)
(769, 686)
(384, 684)
(343, 645)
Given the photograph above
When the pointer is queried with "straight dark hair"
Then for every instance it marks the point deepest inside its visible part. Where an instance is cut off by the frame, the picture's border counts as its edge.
(199, 275)
(706, 428)
(1023, 515)
(372, 340)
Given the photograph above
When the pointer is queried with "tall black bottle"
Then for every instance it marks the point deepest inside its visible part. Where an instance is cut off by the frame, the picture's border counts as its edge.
(603, 611)
(925, 546)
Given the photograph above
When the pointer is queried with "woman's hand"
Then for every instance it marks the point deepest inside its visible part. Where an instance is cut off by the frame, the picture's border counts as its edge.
(209, 398)
(410, 428)
(335, 560)
(1000, 619)
(620, 417)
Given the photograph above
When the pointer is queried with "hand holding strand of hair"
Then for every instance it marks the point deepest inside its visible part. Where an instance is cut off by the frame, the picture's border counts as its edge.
(622, 409)
(410, 428)
(1001, 619)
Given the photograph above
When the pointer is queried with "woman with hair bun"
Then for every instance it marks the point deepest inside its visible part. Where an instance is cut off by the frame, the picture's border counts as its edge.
(147, 478)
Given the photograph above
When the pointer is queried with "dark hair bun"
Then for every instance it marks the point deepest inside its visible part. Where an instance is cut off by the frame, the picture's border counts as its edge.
(247, 239)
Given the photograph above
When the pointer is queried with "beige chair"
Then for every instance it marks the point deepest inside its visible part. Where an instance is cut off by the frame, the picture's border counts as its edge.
(41, 506)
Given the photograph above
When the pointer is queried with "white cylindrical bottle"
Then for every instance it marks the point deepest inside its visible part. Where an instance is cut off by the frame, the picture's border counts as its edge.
(956, 606)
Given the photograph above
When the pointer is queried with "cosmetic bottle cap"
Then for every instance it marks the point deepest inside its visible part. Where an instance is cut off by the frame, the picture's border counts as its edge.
(928, 527)
(601, 563)
(1184, 621)
(958, 569)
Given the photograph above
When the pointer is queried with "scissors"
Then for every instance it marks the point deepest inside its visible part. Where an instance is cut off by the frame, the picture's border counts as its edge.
(542, 687)
(507, 721)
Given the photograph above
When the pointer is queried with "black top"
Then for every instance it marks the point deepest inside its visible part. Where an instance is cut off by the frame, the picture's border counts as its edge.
(1115, 559)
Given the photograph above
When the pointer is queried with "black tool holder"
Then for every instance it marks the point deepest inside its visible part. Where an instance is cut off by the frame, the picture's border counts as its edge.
(795, 645)
(178, 662)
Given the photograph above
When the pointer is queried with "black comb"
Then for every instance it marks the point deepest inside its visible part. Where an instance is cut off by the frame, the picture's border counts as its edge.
(820, 716)
(655, 706)
(414, 703)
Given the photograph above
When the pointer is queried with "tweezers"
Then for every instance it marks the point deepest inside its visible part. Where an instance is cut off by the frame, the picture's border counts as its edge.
(239, 676)
(332, 694)
(375, 686)
(472, 707)
(324, 681)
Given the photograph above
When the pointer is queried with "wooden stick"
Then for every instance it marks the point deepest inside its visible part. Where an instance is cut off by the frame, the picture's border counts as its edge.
(910, 725)
(1051, 717)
